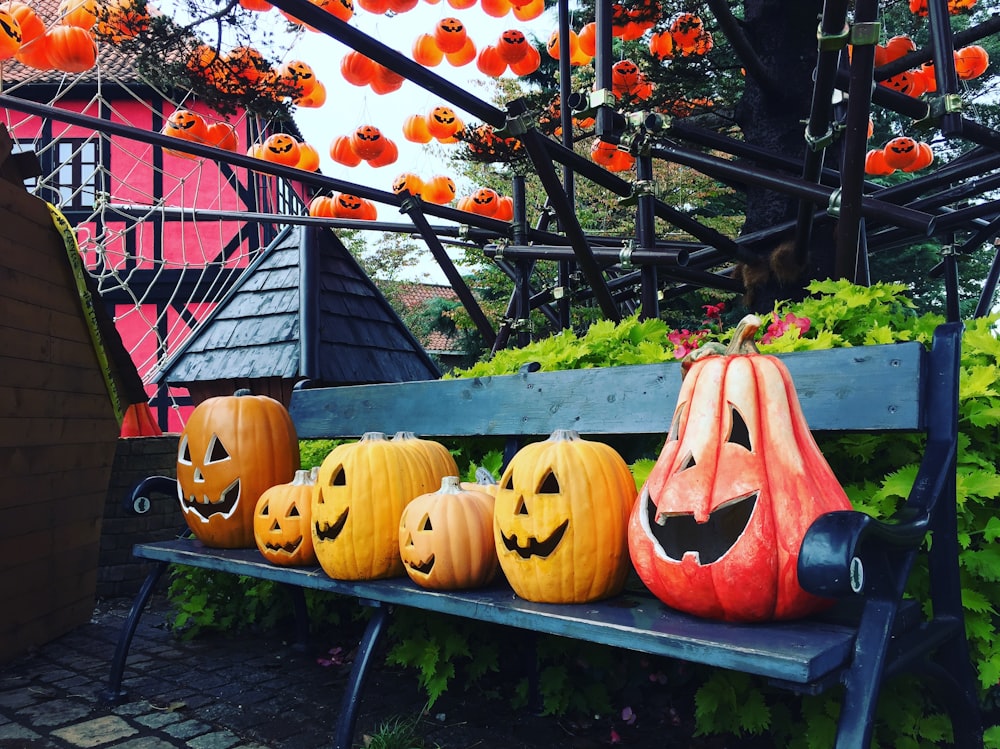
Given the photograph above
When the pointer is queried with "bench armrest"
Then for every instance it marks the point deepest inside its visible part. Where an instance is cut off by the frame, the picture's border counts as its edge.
(847, 552)
(137, 500)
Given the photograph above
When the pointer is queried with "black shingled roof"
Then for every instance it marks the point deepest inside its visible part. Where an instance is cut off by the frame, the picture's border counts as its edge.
(257, 330)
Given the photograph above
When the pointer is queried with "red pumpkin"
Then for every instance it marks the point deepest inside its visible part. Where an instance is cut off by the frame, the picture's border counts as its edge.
(718, 525)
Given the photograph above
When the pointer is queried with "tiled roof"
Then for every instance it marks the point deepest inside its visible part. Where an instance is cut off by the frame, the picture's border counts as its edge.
(414, 296)
(257, 330)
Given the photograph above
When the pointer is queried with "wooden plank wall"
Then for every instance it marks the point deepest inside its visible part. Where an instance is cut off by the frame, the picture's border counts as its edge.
(58, 433)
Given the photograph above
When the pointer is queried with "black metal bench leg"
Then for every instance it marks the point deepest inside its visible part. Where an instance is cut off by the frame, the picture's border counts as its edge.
(301, 610)
(864, 679)
(344, 731)
(114, 694)
(954, 683)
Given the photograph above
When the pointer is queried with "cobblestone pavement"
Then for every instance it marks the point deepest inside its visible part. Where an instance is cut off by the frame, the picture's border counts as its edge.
(212, 693)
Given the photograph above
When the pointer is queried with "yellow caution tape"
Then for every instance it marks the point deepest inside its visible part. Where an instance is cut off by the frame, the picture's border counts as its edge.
(89, 313)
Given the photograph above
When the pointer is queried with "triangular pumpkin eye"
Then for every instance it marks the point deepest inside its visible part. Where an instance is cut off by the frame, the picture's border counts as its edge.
(293, 512)
(184, 452)
(216, 451)
(549, 485)
(338, 478)
(264, 510)
(739, 433)
(509, 483)
(426, 525)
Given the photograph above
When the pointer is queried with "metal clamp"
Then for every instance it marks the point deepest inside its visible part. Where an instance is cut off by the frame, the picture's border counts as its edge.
(833, 42)
(833, 206)
(501, 245)
(866, 33)
(625, 255)
(818, 143)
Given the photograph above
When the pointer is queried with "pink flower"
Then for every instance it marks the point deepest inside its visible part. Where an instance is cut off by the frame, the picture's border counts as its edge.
(629, 716)
(685, 341)
(713, 311)
(615, 737)
(780, 326)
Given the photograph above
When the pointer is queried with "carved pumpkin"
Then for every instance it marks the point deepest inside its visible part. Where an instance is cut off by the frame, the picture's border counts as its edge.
(446, 538)
(298, 76)
(232, 449)
(971, 62)
(367, 141)
(407, 183)
(560, 520)
(281, 148)
(439, 189)
(900, 152)
(185, 124)
(358, 501)
(450, 35)
(442, 122)
(484, 201)
(923, 159)
(10, 35)
(282, 520)
(718, 525)
(512, 45)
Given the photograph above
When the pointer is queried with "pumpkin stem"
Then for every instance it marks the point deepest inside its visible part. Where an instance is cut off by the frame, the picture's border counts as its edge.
(743, 342)
(564, 434)
(450, 485)
(303, 478)
(373, 437)
(241, 392)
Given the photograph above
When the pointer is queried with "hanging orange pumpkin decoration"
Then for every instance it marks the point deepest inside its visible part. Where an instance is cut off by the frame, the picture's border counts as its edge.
(484, 201)
(408, 183)
(281, 148)
(315, 98)
(446, 538)
(426, 51)
(185, 124)
(221, 135)
(389, 154)
(495, 8)
(367, 141)
(360, 495)
(71, 49)
(308, 158)
(10, 35)
(342, 151)
(232, 449)
(282, 520)
(82, 13)
(463, 56)
(490, 63)
(527, 64)
(971, 62)
(415, 129)
(512, 46)
(450, 34)
(384, 80)
(120, 20)
(923, 159)
(442, 122)
(717, 528)
(297, 76)
(529, 11)
(875, 163)
(560, 520)
(900, 152)
(322, 206)
(505, 209)
(439, 189)
(357, 69)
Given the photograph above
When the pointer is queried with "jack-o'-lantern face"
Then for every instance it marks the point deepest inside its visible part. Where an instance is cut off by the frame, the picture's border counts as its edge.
(513, 37)
(281, 522)
(186, 124)
(717, 528)
(299, 76)
(349, 203)
(443, 115)
(624, 73)
(367, 141)
(408, 183)
(557, 502)
(360, 493)
(281, 148)
(446, 538)
(231, 450)
(10, 35)
(484, 196)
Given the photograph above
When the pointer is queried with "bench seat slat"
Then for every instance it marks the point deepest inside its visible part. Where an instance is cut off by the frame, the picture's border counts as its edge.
(870, 388)
(797, 652)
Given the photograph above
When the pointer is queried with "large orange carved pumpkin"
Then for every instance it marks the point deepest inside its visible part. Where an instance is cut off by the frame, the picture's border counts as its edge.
(560, 520)
(717, 528)
(232, 449)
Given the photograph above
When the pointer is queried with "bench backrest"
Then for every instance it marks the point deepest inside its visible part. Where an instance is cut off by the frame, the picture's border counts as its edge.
(875, 388)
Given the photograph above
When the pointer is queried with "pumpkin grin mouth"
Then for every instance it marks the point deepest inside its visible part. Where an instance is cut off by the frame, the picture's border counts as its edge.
(680, 535)
(328, 532)
(206, 507)
(423, 568)
(533, 547)
(289, 547)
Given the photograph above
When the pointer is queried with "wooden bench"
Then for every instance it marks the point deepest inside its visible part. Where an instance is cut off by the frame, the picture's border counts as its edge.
(900, 387)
